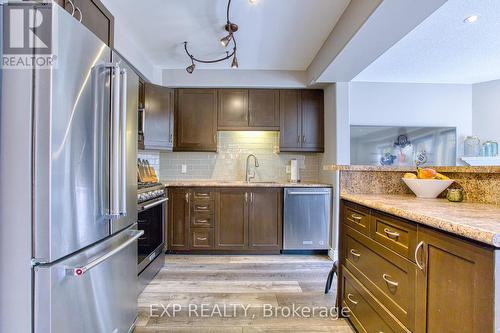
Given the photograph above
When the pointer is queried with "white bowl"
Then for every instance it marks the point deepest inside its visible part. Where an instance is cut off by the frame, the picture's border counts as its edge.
(427, 188)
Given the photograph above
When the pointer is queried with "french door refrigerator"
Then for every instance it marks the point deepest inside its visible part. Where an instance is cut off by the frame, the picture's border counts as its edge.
(68, 187)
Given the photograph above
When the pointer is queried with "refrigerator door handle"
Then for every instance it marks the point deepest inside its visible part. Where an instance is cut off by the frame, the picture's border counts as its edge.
(115, 161)
(123, 143)
(81, 270)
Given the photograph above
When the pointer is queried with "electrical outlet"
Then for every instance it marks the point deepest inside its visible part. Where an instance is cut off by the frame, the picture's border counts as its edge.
(184, 168)
(288, 169)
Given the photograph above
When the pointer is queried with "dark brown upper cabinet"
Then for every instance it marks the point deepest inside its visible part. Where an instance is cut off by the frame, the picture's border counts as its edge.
(233, 109)
(248, 109)
(94, 15)
(140, 114)
(158, 117)
(196, 120)
(264, 109)
(301, 121)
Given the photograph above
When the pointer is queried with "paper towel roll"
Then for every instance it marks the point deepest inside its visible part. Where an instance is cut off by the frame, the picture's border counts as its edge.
(294, 171)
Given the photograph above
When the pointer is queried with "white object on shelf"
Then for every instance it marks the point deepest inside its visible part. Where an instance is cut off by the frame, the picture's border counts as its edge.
(427, 188)
(482, 160)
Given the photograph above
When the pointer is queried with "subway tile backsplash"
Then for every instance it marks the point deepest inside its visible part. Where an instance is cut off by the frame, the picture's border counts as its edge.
(229, 161)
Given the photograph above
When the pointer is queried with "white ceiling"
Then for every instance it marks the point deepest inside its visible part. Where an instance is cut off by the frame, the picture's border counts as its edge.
(273, 34)
(444, 49)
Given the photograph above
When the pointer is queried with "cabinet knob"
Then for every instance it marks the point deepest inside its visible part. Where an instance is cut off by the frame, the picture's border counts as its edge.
(417, 249)
(387, 279)
(354, 253)
(391, 234)
(350, 298)
(356, 217)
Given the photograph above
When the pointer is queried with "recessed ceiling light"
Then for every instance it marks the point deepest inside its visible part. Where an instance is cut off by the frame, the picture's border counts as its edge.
(471, 19)
(253, 2)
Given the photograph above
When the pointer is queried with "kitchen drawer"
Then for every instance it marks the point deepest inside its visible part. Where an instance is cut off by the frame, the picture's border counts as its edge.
(202, 206)
(366, 313)
(202, 238)
(202, 219)
(200, 195)
(390, 278)
(357, 217)
(395, 233)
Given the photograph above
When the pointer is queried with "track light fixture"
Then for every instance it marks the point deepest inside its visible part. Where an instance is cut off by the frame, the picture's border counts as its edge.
(234, 64)
(231, 28)
(225, 40)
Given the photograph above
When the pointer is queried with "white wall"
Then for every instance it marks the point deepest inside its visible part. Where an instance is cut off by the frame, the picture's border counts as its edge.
(129, 49)
(234, 78)
(486, 110)
(412, 104)
(336, 136)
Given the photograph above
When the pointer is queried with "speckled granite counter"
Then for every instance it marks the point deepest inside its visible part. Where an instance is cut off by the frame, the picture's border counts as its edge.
(443, 169)
(480, 222)
(215, 183)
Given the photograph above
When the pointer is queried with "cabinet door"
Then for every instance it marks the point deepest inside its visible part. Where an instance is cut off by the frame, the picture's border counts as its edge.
(233, 109)
(312, 120)
(96, 17)
(232, 219)
(264, 219)
(157, 117)
(456, 286)
(178, 221)
(196, 120)
(290, 120)
(263, 109)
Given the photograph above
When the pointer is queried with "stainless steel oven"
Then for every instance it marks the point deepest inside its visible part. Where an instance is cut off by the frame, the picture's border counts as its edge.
(152, 199)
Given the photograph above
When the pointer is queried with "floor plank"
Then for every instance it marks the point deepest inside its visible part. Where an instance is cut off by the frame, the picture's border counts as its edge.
(254, 291)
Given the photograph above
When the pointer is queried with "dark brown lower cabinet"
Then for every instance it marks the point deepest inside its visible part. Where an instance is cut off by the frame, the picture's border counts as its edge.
(232, 219)
(455, 284)
(226, 219)
(264, 216)
(447, 285)
(178, 221)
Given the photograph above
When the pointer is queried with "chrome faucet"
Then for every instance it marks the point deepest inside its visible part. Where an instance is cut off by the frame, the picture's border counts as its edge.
(250, 175)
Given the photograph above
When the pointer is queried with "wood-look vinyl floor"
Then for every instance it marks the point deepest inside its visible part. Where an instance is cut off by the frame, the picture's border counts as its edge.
(247, 288)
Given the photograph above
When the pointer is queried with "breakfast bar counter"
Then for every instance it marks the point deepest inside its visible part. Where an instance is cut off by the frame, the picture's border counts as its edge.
(475, 221)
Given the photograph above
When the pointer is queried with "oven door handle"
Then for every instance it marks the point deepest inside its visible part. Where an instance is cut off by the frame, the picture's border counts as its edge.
(156, 203)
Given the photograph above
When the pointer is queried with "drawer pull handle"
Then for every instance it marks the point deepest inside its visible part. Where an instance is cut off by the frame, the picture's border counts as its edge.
(387, 278)
(419, 246)
(391, 234)
(201, 238)
(202, 207)
(202, 194)
(349, 297)
(354, 253)
(201, 221)
(356, 217)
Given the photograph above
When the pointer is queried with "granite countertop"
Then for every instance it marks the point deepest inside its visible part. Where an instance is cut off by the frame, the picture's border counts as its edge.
(385, 168)
(230, 183)
(480, 222)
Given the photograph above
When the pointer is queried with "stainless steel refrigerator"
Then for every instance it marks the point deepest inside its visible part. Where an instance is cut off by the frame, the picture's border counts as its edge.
(68, 188)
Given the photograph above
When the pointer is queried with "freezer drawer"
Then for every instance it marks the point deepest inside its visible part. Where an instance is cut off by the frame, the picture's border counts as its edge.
(307, 216)
(92, 291)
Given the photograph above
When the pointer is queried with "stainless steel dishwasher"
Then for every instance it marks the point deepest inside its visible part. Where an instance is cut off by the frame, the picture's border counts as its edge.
(307, 216)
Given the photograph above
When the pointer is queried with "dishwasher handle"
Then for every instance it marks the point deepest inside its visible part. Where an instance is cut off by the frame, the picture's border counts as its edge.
(307, 193)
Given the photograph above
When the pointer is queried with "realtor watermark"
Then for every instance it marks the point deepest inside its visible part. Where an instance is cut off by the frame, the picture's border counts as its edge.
(265, 311)
(28, 39)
